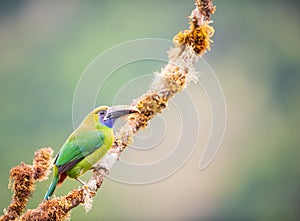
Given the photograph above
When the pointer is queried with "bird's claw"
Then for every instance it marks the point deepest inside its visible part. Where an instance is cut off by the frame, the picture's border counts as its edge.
(80, 181)
(86, 185)
(92, 190)
(96, 167)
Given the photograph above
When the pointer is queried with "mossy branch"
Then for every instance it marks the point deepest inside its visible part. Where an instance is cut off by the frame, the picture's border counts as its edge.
(173, 78)
(22, 180)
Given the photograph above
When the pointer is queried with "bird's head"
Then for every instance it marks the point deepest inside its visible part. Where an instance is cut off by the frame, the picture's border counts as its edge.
(108, 115)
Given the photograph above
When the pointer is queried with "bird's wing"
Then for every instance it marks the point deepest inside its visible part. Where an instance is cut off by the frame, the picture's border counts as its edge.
(77, 147)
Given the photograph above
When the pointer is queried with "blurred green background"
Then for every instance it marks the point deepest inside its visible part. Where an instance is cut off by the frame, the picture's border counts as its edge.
(46, 45)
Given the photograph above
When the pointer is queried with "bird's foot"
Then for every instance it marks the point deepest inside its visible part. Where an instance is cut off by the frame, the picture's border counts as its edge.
(80, 181)
(95, 167)
(92, 190)
(85, 184)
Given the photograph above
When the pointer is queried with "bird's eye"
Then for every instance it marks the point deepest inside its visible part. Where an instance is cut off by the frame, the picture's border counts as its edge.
(102, 113)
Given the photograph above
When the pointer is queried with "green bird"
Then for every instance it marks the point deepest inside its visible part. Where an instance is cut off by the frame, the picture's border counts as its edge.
(87, 144)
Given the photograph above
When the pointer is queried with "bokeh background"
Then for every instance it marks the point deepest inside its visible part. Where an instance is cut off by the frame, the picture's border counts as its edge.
(46, 45)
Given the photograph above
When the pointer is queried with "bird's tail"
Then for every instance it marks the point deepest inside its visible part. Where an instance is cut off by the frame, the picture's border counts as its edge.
(53, 183)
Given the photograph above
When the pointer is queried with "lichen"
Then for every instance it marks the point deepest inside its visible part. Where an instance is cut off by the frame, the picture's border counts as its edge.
(22, 180)
(199, 34)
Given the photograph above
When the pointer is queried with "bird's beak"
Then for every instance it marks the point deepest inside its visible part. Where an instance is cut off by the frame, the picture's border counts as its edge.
(115, 112)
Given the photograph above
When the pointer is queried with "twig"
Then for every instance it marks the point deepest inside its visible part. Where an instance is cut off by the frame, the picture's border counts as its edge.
(24, 177)
(173, 78)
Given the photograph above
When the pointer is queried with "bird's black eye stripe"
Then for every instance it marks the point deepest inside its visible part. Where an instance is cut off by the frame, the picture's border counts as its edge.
(102, 112)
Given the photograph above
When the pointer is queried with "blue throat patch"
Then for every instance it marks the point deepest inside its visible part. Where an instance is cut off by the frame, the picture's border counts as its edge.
(109, 122)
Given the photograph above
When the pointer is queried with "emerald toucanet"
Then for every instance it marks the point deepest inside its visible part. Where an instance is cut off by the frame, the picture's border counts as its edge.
(87, 144)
